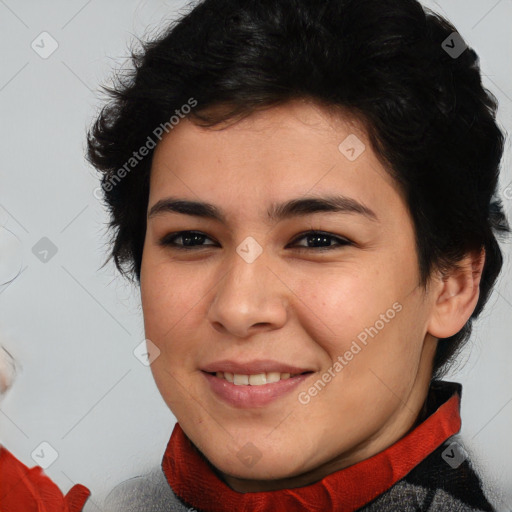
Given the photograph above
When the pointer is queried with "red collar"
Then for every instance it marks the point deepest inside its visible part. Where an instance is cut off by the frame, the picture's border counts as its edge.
(192, 479)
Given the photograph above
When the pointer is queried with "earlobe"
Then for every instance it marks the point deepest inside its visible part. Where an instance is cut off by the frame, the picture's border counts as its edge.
(457, 296)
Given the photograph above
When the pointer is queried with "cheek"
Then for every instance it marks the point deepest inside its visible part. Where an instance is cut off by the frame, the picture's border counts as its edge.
(368, 316)
(170, 300)
(337, 305)
(168, 297)
(174, 300)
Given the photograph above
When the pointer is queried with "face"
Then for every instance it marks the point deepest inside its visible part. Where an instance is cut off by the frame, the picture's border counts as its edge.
(304, 263)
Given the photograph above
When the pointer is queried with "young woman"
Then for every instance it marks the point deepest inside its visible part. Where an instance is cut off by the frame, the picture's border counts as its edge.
(305, 192)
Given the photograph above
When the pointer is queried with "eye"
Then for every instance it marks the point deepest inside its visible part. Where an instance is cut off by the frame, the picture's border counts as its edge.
(189, 239)
(321, 241)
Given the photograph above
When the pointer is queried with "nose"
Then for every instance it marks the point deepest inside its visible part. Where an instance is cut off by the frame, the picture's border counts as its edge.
(249, 298)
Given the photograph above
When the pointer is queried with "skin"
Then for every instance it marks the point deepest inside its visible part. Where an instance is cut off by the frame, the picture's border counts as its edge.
(300, 307)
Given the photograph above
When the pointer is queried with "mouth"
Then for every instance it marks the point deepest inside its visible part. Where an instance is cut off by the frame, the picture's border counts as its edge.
(244, 391)
(257, 379)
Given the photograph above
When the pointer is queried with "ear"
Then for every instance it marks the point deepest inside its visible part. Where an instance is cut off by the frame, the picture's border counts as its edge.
(456, 296)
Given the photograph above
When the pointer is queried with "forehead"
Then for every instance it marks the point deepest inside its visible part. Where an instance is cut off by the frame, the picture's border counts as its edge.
(293, 150)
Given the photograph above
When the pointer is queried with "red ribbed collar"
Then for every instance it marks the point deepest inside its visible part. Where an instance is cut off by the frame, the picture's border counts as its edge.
(193, 480)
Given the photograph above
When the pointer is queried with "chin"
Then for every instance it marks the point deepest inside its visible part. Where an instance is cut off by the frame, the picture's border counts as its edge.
(260, 471)
(266, 464)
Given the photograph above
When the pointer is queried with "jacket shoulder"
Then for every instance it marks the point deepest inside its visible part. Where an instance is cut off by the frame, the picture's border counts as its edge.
(445, 481)
(145, 493)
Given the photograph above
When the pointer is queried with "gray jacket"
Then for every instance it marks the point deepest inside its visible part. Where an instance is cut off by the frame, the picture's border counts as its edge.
(432, 486)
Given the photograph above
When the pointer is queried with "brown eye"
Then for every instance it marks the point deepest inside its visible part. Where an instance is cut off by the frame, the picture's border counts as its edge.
(321, 241)
(185, 240)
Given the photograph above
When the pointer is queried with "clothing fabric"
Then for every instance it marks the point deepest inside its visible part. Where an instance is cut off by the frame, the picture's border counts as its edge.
(24, 489)
(427, 470)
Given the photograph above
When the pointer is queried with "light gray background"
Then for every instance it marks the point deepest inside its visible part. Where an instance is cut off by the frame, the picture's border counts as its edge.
(72, 327)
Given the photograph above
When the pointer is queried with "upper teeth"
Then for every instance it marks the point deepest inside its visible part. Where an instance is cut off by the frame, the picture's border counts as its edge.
(254, 380)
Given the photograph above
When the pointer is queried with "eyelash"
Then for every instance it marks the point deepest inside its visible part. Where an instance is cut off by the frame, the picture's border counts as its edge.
(169, 241)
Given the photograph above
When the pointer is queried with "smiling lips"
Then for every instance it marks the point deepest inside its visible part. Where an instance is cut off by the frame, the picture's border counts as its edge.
(253, 373)
(256, 379)
(253, 384)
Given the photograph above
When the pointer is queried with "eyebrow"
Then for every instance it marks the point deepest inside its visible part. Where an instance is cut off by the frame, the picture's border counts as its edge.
(277, 212)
